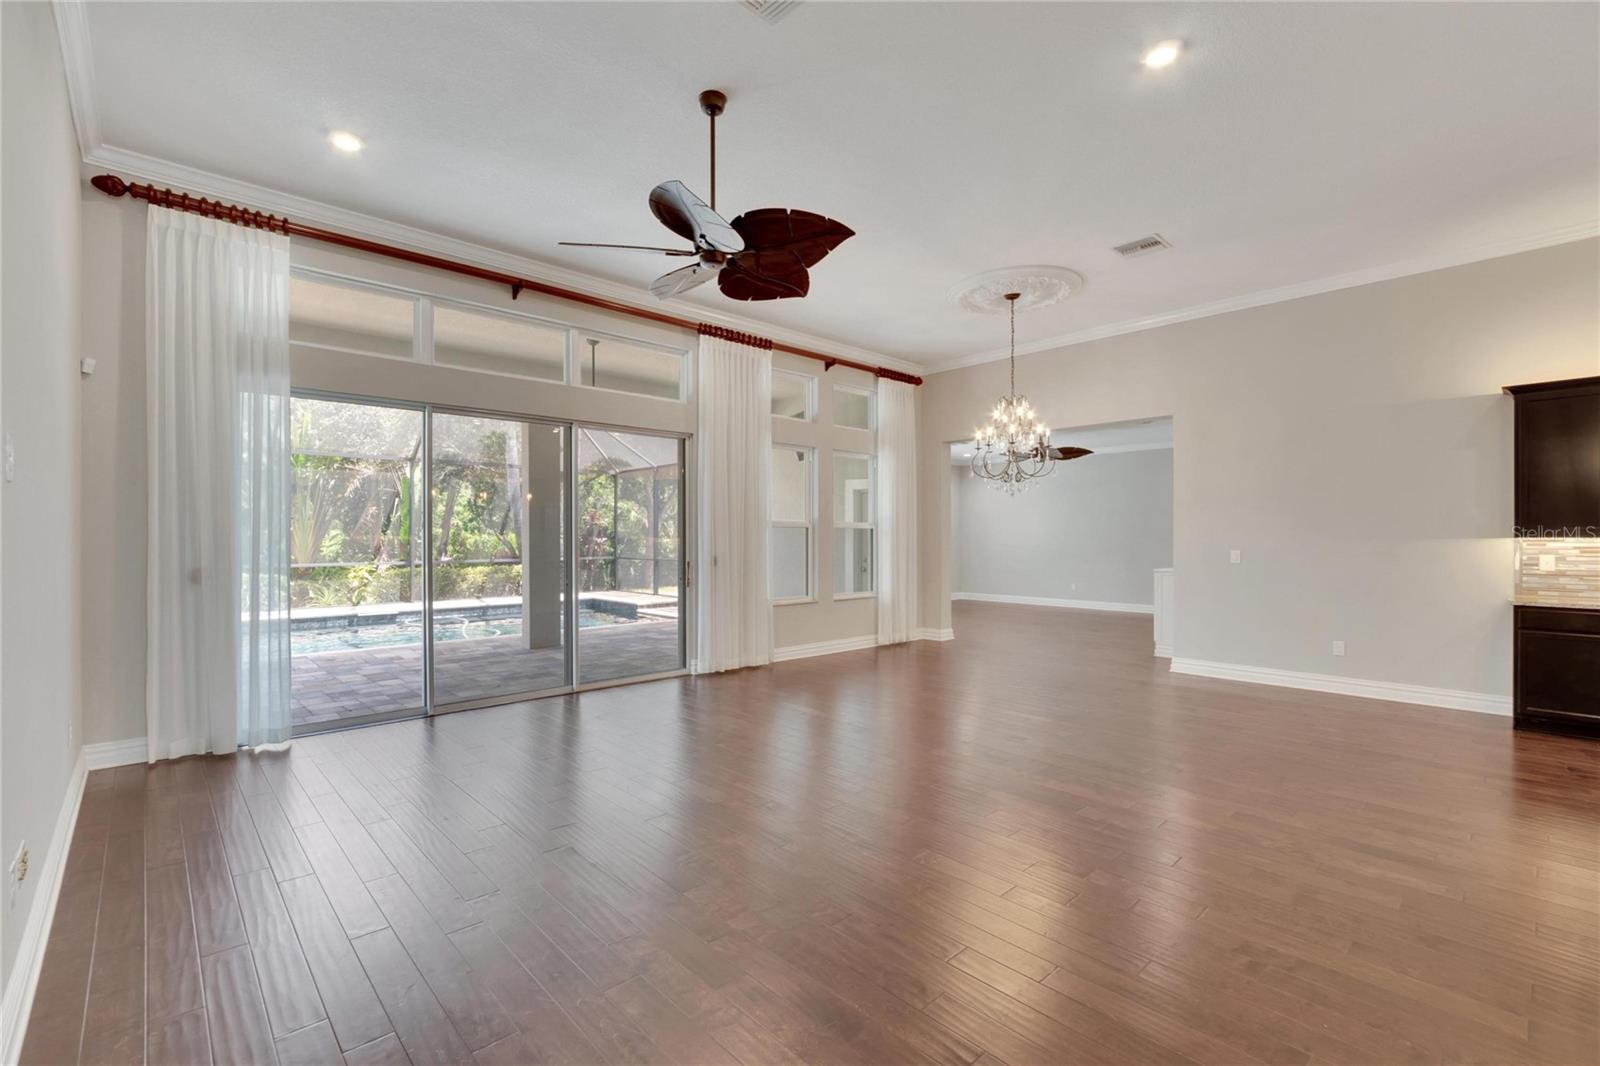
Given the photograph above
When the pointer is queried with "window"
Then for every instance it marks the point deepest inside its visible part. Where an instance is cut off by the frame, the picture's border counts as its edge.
(502, 344)
(628, 366)
(792, 507)
(852, 407)
(853, 524)
(793, 395)
(345, 318)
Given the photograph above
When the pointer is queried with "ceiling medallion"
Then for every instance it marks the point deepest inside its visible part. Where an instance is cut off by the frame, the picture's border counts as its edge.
(1034, 286)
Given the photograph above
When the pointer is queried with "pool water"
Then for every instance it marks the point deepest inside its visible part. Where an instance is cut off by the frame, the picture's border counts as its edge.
(399, 634)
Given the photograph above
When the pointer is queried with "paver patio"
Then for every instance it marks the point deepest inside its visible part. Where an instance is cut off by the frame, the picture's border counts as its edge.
(334, 685)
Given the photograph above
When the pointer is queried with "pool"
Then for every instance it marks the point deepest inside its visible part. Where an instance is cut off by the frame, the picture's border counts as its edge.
(409, 631)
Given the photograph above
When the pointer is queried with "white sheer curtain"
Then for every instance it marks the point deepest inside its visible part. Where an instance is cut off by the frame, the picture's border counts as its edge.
(897, 511)
(217, 353)
(734, 468)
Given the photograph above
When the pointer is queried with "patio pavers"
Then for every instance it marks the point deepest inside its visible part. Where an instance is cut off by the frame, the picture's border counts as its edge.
(334, 685)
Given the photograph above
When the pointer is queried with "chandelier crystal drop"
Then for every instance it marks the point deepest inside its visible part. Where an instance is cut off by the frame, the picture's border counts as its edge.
(1014, 448)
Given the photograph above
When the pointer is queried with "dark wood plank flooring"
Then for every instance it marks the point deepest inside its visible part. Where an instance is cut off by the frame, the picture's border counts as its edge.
(1031, 845)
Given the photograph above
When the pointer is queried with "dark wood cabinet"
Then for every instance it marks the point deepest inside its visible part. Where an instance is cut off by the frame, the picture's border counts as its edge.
(1558, 458)
(1556, 672)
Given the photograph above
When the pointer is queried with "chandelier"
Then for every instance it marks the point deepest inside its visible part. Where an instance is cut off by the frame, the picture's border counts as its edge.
(1014, 448)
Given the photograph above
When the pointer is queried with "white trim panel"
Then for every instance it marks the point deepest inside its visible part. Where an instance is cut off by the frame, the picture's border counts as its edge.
(934, 634)
(823, 647)
(1046, 601)
(18, 1001)
(116, 753)
(1393, 691)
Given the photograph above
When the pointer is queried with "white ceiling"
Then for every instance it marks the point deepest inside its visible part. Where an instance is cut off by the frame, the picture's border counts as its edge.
(1291, 144)
(1147, 434)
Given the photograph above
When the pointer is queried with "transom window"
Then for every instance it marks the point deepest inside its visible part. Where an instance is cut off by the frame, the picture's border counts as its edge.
(337, 315)
(794, 395)
(852, 407)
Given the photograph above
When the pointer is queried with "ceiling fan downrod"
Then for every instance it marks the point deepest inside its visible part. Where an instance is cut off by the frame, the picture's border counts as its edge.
(713, 102)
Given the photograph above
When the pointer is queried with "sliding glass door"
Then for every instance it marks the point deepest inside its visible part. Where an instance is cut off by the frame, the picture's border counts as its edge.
(497, 490)
(434, 554)
(356, 563)
(630, 554)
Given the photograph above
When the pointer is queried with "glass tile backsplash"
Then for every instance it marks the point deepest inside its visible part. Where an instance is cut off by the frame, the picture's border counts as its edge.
(1558, 572)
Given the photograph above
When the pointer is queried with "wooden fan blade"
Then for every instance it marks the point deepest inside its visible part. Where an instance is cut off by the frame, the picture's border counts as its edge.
(629, 247)
(747, 277)
(1063, 454)
(805, 236)
(685, 214)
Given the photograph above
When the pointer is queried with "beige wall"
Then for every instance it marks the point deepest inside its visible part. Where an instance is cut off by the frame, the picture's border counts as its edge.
(39, 389)
(1354, 446)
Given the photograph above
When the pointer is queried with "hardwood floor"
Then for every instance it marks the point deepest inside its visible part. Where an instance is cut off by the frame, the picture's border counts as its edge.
(1031, 845)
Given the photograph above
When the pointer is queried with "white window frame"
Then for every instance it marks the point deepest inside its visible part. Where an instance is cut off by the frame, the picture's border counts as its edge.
(872, 408)
(872, 510)
(340, 281)
(575, 335)
(810, 525)
(811, 395)
(426, 305)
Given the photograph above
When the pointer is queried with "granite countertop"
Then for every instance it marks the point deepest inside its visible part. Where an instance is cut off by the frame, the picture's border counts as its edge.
(1570, 605)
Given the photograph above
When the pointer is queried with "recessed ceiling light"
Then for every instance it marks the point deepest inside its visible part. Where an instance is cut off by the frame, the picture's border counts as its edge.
(1162, 55)
(345, 141)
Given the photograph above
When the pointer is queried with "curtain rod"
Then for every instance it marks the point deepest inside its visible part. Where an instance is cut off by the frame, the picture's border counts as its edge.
(112, 185)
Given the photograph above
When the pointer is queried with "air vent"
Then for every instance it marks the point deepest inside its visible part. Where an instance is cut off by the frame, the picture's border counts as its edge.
(771, 10)
(1143, 246)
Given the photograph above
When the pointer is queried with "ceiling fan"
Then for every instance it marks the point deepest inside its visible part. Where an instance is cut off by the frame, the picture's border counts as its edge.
(764, 254)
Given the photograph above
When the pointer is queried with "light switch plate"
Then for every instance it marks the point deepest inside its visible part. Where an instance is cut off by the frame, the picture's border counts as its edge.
(1233, 556)
(1338, 647)
(11, 460)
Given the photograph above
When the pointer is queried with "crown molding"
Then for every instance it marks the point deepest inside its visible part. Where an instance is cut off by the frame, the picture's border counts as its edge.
(1365, 276)
(77, 59)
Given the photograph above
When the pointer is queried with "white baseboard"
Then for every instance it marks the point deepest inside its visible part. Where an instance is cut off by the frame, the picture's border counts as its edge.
(1453, 699)
(18, 999)
(934, 634)
(823, 647)
(115, 753)
(1047, 601)
(1164, 651)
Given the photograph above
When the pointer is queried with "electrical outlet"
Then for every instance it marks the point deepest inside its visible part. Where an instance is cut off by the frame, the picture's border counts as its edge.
(1338, 647)
(1547, 563)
